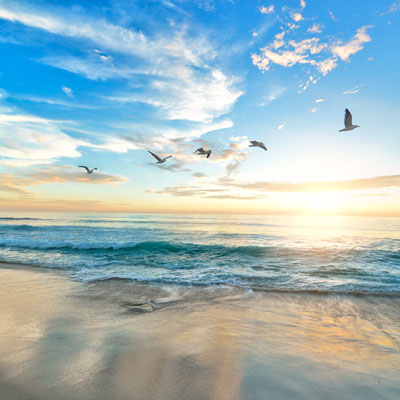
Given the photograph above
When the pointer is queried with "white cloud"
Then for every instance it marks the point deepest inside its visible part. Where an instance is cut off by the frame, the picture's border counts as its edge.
(157, 137)
(326, 66)
(74, 26)
(297, 17)
(320, 53)
(302, 3)
(316, 28)
(190, 96)
(3, 94)
(67, 91)
(333, 18)
(274, 94)
(10, 118)
(34, 140)
(294, 53)
(281, 126)
(237, 138)
(91, 67)
(352, 91)
(313, 110)
(267, 10)
(352, 46)
(176, 74)
(319, 100)
(395, 7)
(53, 101)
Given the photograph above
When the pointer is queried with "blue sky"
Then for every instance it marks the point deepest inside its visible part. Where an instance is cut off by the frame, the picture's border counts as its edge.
(100, 84)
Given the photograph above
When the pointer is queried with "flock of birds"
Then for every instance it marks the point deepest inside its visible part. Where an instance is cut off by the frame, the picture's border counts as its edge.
(348, 126)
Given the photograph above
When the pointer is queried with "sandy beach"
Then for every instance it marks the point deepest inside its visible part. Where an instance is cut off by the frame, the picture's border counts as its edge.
(61, 339)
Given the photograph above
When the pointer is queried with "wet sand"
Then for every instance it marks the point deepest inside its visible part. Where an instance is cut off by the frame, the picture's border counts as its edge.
(63, 340)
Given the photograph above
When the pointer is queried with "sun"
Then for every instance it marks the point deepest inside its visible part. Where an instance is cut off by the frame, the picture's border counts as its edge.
(321, 202)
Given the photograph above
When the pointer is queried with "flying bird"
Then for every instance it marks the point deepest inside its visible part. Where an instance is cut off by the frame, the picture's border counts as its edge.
(203, 152)
(254, 143)
(348, 122)
(88, 171)
(159, 160)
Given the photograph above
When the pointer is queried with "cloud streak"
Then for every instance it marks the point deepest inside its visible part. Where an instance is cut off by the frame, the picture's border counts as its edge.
(17, 183)
(347, 185)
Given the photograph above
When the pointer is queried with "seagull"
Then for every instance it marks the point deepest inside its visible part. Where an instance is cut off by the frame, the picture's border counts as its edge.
(348, 122)
(88, 171)
(159, 160)
(254, 143)
(203, 152)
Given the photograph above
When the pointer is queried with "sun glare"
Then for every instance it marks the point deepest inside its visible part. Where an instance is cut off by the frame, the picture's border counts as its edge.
(317, 202)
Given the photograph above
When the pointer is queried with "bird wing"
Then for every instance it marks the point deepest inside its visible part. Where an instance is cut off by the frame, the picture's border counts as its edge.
(348, 118)
(84, 166)
(208, 153)
(253, 142)
(199, 150)
(155, 156)
(167, 157)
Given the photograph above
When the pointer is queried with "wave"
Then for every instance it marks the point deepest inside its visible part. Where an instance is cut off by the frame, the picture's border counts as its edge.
(160, 248)
(21, 219)
(150, 246)
(254, 288)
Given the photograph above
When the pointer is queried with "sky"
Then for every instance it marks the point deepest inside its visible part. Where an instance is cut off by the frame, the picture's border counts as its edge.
(100, 83)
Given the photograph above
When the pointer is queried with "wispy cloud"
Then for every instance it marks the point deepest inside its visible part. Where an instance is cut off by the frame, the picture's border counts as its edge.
(205, 193)
(190, 97)
(3, 94)
(186, 191)
(61, 204)
(395, 7)
(235, 197)
(319, 100)
(344, 51)
(19, 182)
(347, 185)
(316, 28)
(333, 18)
(8, 184)
(35, 140)
(67, 91)
(52, 101)
(67, 173)
(267, 10)
(274, 94)
(229, 188)
(176, 75)
(323, 54)
(199, 175)
(355, 90)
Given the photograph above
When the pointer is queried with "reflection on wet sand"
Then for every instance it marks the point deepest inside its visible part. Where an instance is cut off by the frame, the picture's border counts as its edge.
(63, 340)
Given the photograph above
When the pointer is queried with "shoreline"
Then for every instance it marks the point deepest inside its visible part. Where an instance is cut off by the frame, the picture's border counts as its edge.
(106, 340)
(255, 289)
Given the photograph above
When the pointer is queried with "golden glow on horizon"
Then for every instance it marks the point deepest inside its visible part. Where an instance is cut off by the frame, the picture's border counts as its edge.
(71, 198)
(323, 202)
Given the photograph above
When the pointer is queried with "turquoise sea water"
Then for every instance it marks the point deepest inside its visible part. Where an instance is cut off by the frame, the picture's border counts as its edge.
(286, 252)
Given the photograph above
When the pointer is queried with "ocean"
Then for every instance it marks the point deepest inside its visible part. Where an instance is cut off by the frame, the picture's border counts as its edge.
(343, 254)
